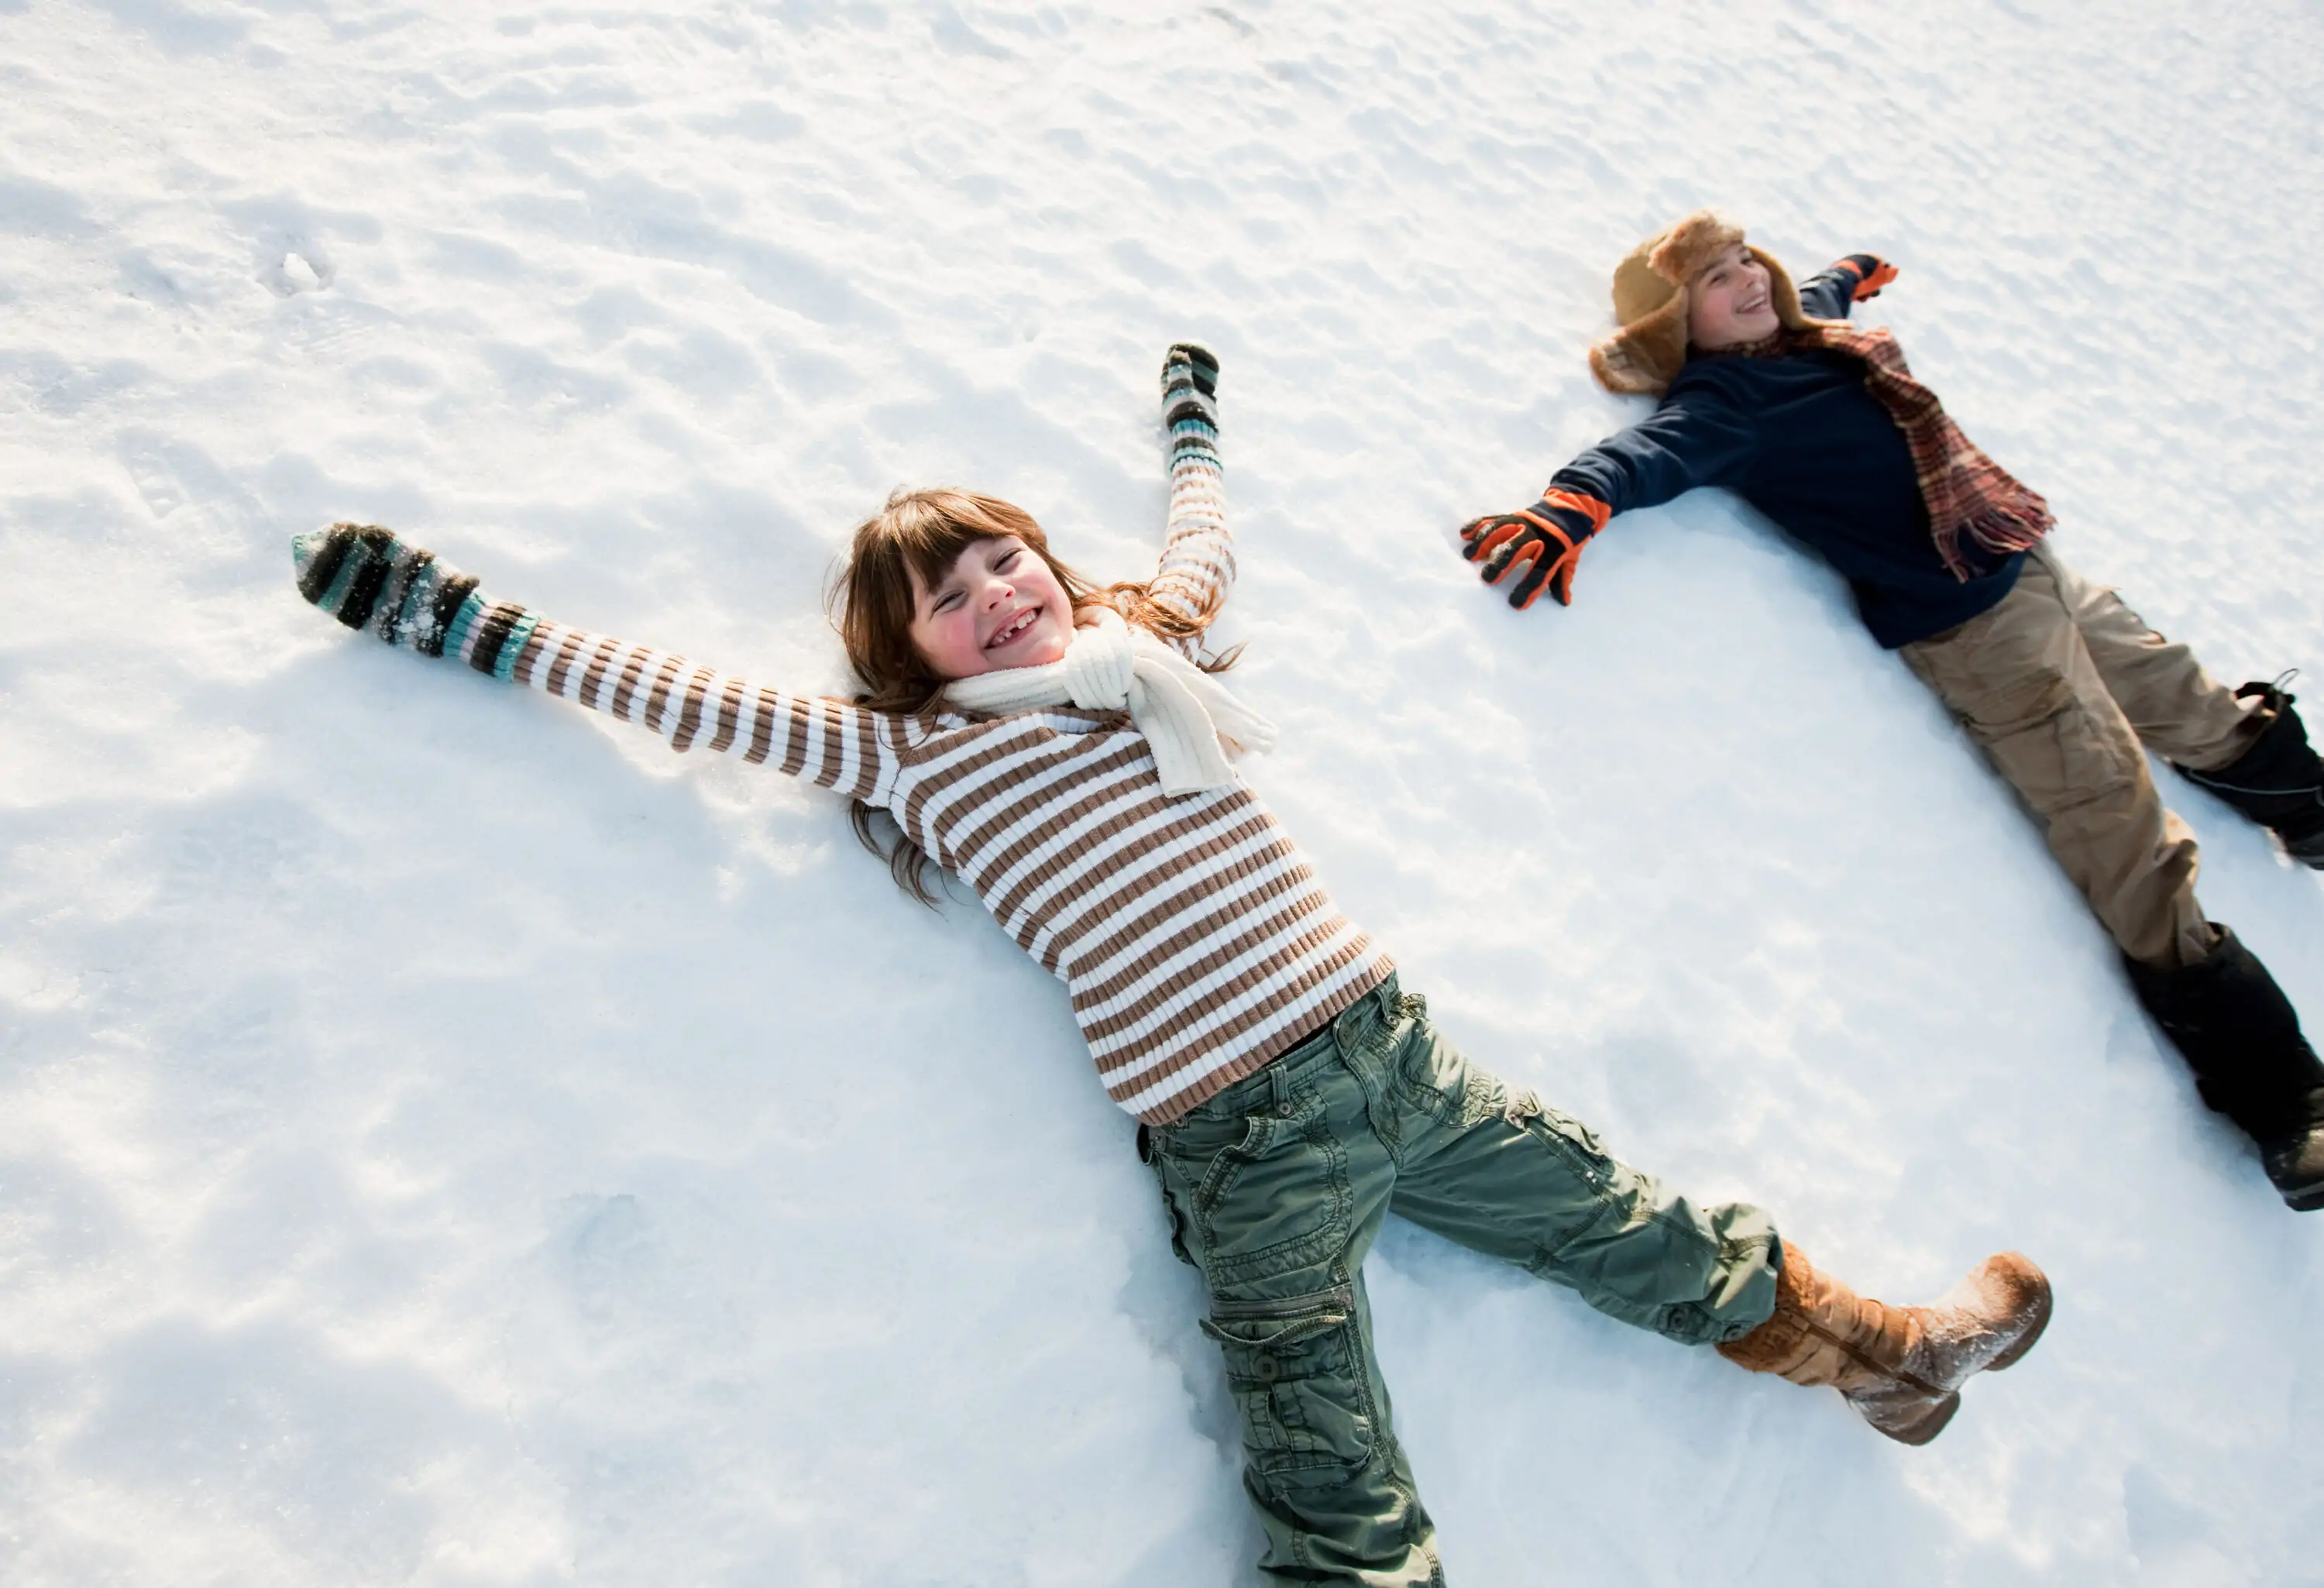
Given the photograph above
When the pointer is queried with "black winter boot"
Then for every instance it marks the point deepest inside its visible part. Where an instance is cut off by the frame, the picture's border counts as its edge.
(2239, 1035)
(2278, 783)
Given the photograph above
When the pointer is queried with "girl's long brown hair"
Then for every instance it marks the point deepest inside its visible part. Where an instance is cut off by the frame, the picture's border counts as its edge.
(923, 533)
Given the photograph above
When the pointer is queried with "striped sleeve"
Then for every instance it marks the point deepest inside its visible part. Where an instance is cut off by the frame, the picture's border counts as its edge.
(368, 579)
(1198, 565)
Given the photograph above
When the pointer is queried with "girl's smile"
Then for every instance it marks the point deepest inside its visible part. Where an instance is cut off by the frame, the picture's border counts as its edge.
(999, 605)
(1013, 628)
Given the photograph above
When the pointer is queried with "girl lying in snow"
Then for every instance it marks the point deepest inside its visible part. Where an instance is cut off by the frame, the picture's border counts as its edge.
(1057, 747)
(1768, 390)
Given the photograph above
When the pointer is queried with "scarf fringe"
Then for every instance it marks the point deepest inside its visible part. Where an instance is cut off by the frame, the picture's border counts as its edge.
(2002, 531)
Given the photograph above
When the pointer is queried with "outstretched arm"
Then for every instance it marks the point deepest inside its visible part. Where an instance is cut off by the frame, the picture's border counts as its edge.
(368, 579)
(1198, 565)
(1696, 438)
(1841, 286)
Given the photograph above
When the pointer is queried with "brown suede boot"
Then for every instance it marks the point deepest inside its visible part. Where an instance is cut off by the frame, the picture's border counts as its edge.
(1900, 1367)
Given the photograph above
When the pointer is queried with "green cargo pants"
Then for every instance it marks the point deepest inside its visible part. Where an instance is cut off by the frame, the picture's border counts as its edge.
(1275, 1189)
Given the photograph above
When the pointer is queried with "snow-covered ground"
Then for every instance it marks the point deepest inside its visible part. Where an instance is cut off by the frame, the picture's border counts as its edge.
(446, 1140)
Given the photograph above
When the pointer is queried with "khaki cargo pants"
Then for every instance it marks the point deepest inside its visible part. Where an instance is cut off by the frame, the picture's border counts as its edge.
(2061, 683)
(1275, 1189)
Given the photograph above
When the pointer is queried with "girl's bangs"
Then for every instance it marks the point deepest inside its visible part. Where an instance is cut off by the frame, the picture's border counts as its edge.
(930, 529)
(933, 544)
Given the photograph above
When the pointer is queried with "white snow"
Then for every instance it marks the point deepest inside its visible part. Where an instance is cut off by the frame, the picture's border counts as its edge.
(448, 1140)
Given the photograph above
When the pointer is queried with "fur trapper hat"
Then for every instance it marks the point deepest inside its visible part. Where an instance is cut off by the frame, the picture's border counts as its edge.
(1644, 357)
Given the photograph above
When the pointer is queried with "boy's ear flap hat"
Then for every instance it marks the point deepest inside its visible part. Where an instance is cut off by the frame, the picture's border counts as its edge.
(1644, 357)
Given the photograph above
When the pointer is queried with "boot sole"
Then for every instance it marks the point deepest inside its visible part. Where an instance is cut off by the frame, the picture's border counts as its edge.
(2026, 1342)
(1929, 1425)
(1940, 1411)
(2303, 1195)
(2305, 1198)
(1932, 1423)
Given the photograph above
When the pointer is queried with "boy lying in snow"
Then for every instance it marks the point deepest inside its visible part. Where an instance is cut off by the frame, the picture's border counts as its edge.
(1768, 390)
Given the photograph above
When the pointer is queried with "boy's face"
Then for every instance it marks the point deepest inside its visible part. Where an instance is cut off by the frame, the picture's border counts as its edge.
(1727, 302)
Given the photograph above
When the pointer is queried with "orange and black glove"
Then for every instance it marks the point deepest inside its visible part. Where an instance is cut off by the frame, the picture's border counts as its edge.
(1871, 271)
(1541, 545)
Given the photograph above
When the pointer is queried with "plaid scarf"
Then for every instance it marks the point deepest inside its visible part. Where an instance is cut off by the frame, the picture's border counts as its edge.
(1968, 494)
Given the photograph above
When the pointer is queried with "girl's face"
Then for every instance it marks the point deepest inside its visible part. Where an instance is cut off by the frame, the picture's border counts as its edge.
(1728, 301)
(997, 606)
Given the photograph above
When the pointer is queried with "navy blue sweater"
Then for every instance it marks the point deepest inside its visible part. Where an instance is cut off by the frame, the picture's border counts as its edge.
(1802, 440)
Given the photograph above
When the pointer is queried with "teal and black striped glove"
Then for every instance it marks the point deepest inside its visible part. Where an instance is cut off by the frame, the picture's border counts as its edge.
(367, 578)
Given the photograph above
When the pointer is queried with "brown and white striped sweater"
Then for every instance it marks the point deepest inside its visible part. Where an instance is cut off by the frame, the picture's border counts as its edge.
(1195, 940)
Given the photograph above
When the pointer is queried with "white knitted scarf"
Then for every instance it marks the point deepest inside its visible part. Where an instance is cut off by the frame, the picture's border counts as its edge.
(1190, 719)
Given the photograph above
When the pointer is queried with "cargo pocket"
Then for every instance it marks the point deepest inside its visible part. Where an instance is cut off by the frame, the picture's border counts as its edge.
(2052, 747)
(1568, 1137)
(1277, 1203)
(1437, 1078)
(1297, 1372)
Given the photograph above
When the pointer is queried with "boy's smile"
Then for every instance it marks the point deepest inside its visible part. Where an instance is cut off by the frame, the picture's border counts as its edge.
(1728, 303)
